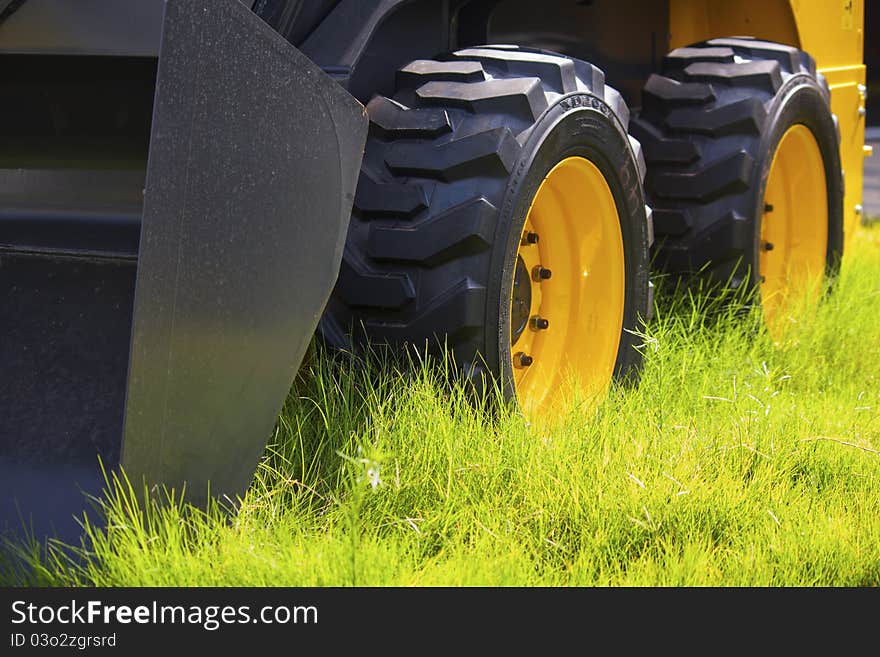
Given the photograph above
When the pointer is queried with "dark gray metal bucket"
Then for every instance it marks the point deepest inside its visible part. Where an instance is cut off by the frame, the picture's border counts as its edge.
(155, 315)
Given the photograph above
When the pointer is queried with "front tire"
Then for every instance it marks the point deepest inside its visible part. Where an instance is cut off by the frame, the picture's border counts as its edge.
(474, 156)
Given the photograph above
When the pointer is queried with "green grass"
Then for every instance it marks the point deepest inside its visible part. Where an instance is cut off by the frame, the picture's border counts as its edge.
(736, 461)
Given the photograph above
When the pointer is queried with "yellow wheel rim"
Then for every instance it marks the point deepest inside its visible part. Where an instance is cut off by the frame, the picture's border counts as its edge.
(794, 227)
(568, 290)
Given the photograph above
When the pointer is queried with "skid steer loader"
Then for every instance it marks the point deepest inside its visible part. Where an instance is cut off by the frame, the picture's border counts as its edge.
(190, 189)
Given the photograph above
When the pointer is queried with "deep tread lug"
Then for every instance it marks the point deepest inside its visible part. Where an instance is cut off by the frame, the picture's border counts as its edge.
(682, 57)
(520, 97)
(389, 119)
(462, 230)
(423, 71)
(788, 57)
(666, 92)
(391, 199)
(615, 101)
(671, 222)
(663, 150)
(360, 287)
(765, 75)
(592, 77)
(713, 180)
(453, 315)
(490, 153)
(728, 236)
(640, 158)
(557, 72)
(745, 116)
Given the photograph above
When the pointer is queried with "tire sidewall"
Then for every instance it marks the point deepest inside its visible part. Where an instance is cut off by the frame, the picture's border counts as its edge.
(578, 124)
(800, 101)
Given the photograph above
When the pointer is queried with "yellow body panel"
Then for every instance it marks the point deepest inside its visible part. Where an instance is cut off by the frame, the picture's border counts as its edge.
(832, 31)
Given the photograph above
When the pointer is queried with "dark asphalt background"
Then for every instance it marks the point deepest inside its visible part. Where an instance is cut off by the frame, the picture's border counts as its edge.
(871, 190)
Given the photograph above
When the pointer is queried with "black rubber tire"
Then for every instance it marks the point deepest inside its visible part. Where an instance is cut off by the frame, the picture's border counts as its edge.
(710, 125)
(450, 167)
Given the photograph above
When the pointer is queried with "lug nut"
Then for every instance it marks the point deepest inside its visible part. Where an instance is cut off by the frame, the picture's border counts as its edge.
(768, 207)
(521, 360)
(538, 323)
(540, 273)
(529, 238)
(768, 246)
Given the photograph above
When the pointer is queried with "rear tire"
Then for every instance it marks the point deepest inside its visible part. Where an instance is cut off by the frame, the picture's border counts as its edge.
(451, 167)
(711, 126)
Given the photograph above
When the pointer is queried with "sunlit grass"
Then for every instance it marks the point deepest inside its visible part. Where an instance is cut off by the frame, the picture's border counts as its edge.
(736, 461)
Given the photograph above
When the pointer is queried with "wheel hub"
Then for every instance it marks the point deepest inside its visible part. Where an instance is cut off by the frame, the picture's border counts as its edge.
(568, 290)
(521, 301)
(794, 227)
